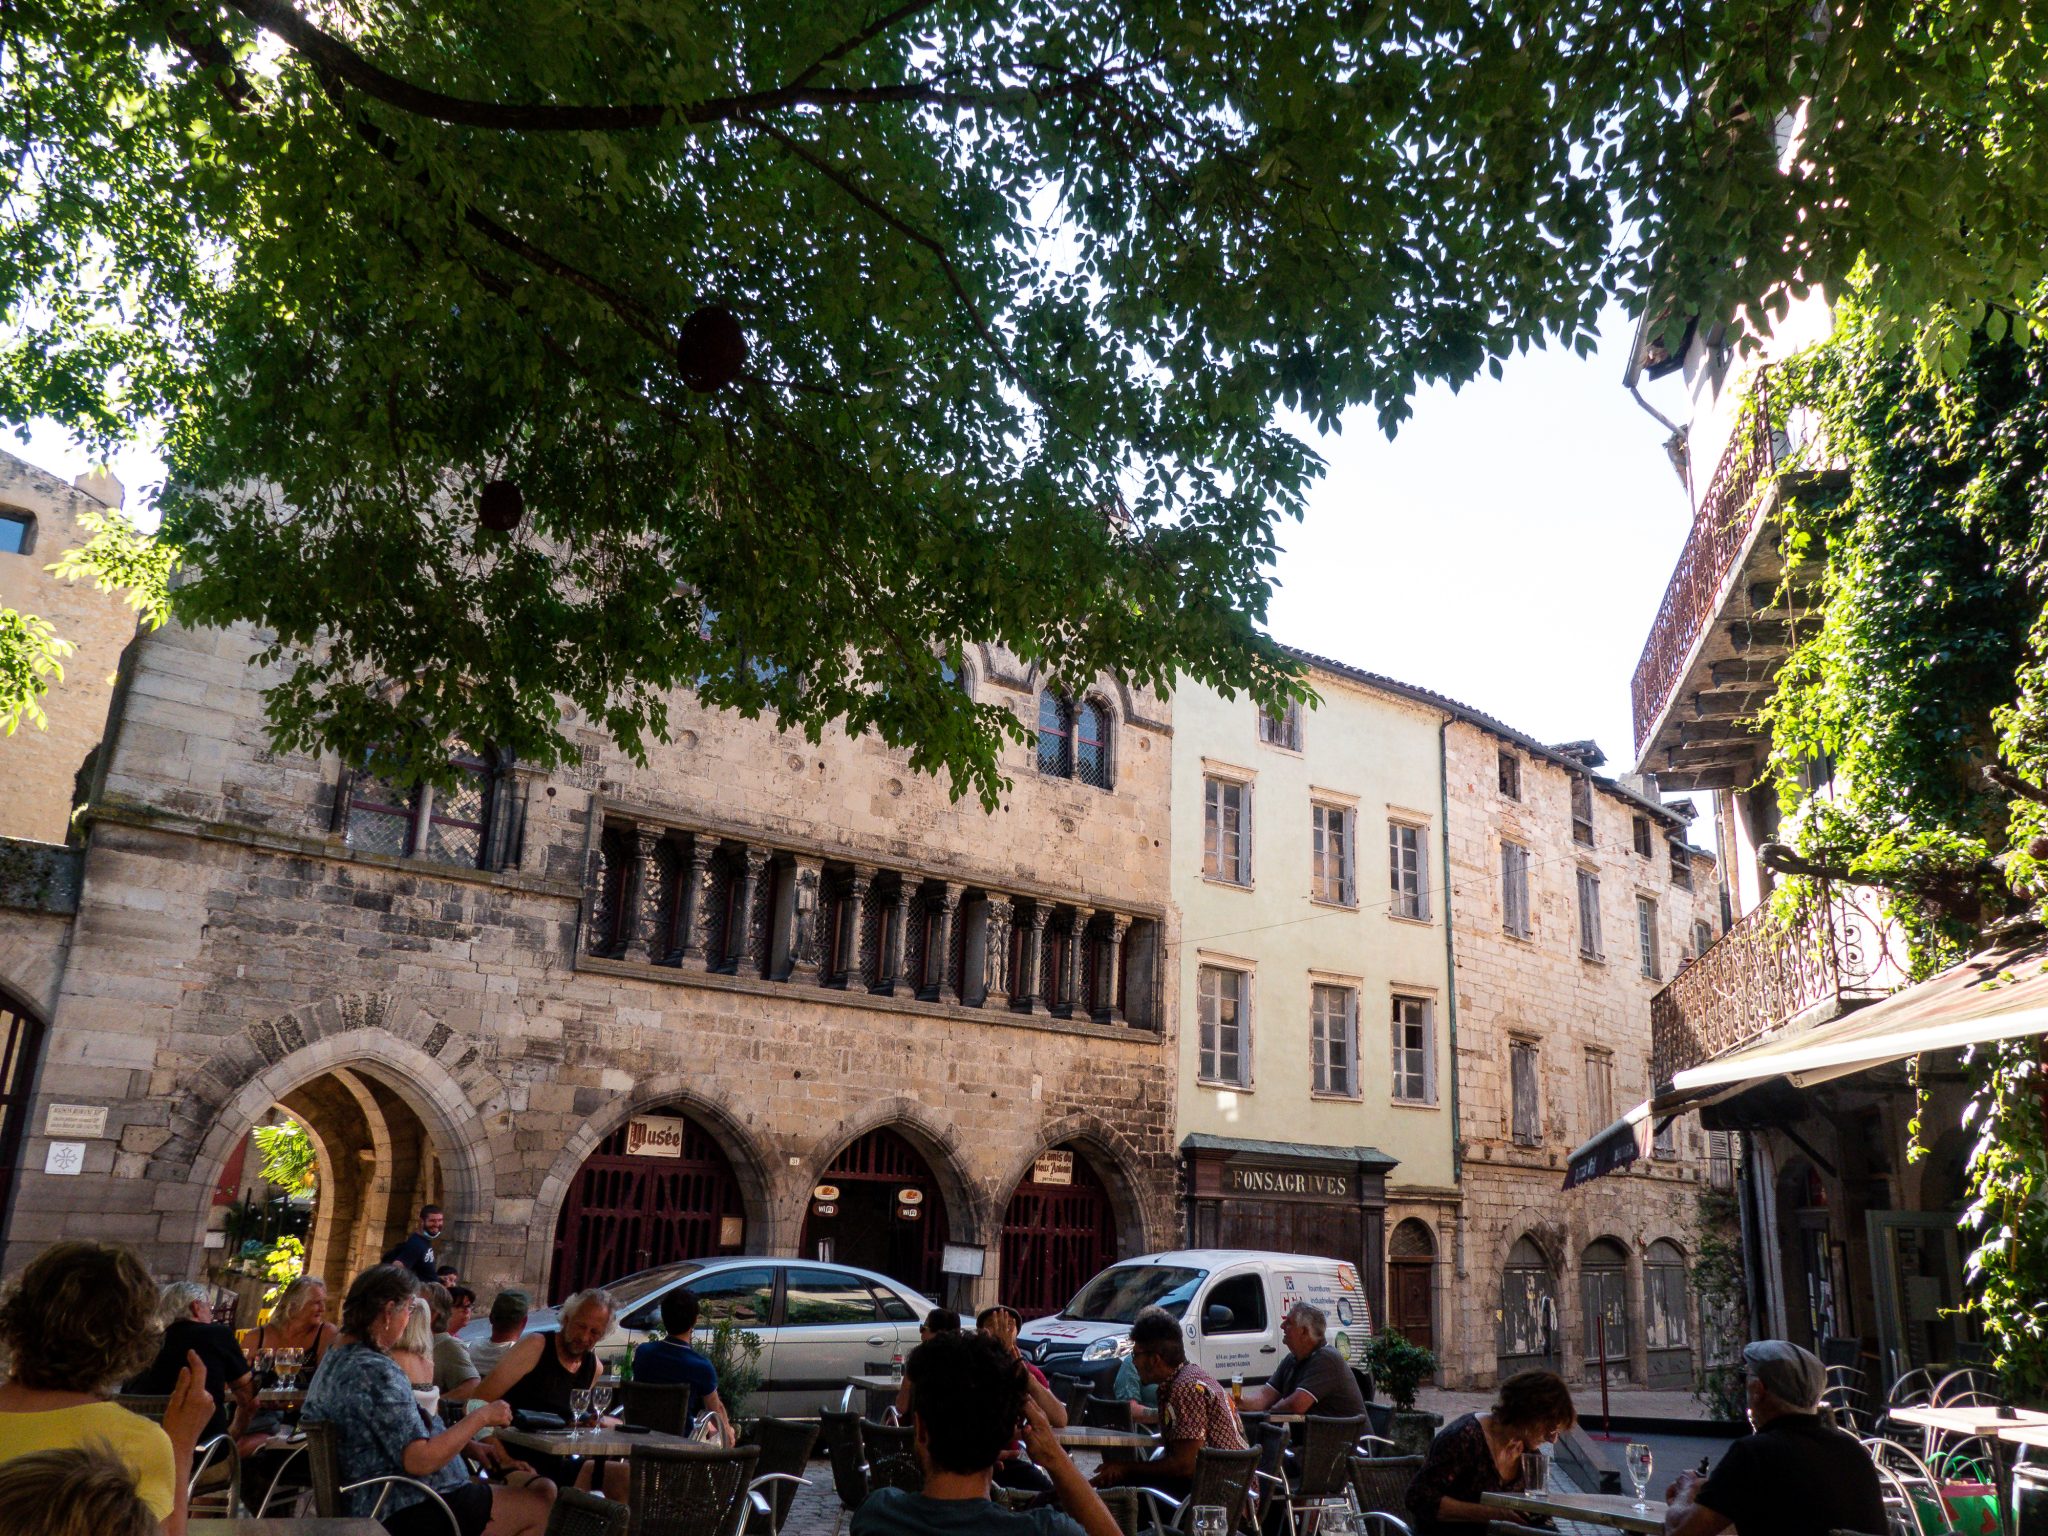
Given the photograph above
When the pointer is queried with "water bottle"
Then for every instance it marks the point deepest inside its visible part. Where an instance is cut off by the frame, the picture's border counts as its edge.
(896, 1366)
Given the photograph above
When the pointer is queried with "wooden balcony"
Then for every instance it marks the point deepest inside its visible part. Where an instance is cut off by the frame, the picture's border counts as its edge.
(1837, 953)
(1723, 629)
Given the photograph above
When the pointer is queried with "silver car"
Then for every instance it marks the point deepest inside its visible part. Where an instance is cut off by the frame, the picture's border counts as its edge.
(818, 1323)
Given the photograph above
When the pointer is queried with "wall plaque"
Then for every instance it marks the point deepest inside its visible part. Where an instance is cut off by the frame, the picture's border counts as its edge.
(75, 1120)
(654, 1136)
(1053, 1167)
(65, 1157)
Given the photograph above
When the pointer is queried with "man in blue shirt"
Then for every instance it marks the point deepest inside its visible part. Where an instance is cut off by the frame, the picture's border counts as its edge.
(676, 1362)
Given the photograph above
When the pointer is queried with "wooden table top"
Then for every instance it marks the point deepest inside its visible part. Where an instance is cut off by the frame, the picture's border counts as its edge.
(245, 1526)
(876, 1383)
(1615, 1509)
(288, 1396)
(2035, 1435)
(593, 1442)
(1094, 1437)
(1976, 1419)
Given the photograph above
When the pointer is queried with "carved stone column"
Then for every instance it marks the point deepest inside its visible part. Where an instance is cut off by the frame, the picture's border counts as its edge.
(1070, 984)
(642, 900)
(752, 944)
(852, 957)
(1119, 925)
(942, 936)
(1025, 988)
(805, 914)
(693, 902)
(995, 962)
(889, 973)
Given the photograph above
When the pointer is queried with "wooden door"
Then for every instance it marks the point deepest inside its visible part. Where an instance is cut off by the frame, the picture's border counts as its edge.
(627, 1213)
(1411, 1300)
(1056, 1237)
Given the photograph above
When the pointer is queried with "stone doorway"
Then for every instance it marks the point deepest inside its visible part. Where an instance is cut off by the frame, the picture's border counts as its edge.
(657, 1190)
(884, 1212)
(1057, 1233)
(1411, 1283)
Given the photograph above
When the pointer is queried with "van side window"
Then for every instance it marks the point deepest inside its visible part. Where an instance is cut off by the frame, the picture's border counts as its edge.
(1245, 1297)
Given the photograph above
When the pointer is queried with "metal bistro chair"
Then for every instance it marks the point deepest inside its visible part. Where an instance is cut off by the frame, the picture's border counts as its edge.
(215, 1487)
(877, 1401)
(688, 1491)
(1381, 1482)
(324, 1466)
(1222, 1478)
(1073, 1393)
(840, 1430)
(1969, 1386)
(892, 1456)
(657, 1407)
(576, 1513)
(1324, 1463)
(785, 1452)
(1902, 1512)
(1269, 1473)
(1107, 1413)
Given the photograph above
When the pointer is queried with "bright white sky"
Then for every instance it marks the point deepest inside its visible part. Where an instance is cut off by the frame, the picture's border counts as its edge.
(1508, 547)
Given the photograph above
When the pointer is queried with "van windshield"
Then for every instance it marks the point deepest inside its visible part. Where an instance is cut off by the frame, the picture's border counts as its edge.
(1118, 1295)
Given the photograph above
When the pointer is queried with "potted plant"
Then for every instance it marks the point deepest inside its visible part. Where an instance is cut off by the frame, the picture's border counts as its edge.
(1399, 1368)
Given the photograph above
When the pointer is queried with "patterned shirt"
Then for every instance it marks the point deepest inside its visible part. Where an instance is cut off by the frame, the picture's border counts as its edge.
(1460, 1465)
(1194, 1406)
(364, 1394)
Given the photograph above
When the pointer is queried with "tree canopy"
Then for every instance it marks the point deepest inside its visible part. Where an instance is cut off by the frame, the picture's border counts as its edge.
(558, 355)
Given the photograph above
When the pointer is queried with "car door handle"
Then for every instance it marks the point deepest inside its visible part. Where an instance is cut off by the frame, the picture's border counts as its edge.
(877, 1342)
(1269, 1349)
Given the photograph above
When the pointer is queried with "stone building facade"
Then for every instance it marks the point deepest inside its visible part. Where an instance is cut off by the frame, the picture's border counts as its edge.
(754, 996)
(1574, 899)
(39, 520)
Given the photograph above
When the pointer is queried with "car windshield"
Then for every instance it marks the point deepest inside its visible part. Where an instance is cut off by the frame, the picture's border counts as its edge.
(634, 1289)
(1118, 1295)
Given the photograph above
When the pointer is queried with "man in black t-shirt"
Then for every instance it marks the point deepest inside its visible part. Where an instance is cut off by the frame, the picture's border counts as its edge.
(1313, 1378)
(186, 1311)
(1796, 1476)
(416, 1253)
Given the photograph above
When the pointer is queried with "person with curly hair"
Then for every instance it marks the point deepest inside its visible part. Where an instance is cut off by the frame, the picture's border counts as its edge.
(1481, 1453)
(81, 1318)
(82, 1491)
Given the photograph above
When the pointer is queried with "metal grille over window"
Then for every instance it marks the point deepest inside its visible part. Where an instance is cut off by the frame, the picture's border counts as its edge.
(455, 821)
(380, 815)
(1334, 1031)
(1055, 736)
(1220, 995)
(1589, 914)
(1414, 1051)
(608, 893)
(1226, 831)
(1582, 811)
(1330, 833)
(1091, 745)
(1408, 867)
(1514, 889)
(1526, 1124)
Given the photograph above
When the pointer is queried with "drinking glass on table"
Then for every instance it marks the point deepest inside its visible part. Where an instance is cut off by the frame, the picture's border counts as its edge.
(288, 1367)
(600, 1398)
(1535, 1471)
(579, 1408)
(266, 1367)
(1637, 1459)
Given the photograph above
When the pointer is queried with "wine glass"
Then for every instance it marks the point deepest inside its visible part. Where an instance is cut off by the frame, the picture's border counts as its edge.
(579, 1408)
(1637, 1458)
(288, 1367)
(600, 1398)
(266, 1367)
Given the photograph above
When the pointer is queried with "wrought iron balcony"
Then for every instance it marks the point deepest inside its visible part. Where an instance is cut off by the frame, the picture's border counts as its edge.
(1722, 530)
(1764, 973)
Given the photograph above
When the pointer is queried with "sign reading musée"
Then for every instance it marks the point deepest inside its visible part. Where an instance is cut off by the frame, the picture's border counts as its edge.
(1289, 1198)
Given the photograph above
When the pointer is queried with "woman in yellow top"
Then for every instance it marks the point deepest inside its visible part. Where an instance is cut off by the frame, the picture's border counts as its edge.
(82, 1318)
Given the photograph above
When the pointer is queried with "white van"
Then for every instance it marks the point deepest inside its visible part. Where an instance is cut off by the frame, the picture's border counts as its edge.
(1229, 1301)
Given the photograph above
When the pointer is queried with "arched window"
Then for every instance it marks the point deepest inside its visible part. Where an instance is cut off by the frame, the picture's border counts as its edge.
(1091, 744)
(1528, 1309)
(1603, 1281)
(1666, 1321)
(1055, 736)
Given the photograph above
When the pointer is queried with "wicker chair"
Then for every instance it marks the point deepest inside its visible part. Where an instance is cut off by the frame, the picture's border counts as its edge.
(576, 1513)
(685, 1491)
(1106, 1413)
(323, 1465)
(1222, 1478)
(1381, 1482)
(877, 1401)
(666, 1408)
(841, 1432)
(1073, 1392)
(785, 1451)
(892, 1456)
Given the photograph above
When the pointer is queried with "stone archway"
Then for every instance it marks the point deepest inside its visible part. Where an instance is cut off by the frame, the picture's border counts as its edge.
(1411, 1282)
(969, 1217)
(886, 1211)
(21, 1053)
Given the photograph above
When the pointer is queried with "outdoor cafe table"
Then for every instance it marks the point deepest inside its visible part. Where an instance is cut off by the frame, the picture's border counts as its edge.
(1091, 1437)
(286, 1397)
(244, 1526)
(1971, 1420)
(875, 1383)
(598, 1444)
(1612, 1509)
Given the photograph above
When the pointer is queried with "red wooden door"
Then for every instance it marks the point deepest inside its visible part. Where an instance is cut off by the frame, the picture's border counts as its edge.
(629, 1213)
(1055, 1238)
(20, 1045)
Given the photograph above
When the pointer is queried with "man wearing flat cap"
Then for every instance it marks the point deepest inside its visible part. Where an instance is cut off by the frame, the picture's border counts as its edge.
(1796, 1476)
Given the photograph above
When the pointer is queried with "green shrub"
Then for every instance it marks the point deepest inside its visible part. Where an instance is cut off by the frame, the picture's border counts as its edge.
(1398, 1367)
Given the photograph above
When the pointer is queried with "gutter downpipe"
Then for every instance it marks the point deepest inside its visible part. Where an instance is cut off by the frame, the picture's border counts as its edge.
(1443, 759)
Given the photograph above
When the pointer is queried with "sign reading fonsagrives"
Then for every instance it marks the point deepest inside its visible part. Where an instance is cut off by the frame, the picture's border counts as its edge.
(1288, 1183)
(654, 1136)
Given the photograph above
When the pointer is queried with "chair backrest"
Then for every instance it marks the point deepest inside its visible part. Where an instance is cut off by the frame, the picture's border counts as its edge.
(1914, 1387)
(215, 1486)
(1381, 1482)
(1902, 1509)
(1107, 1413)
(576, 1513)
(1367, 1388)
(841, 1430)
(1967, 1387)
(1327, 1445)
(1225, 1478)
(786, 1446)
(1271, 1439)
(892, 1456)
(687, 1491)
(1074, 1393)
(1381, 1416)
(150, 1405)
(323, 1468)
(1839, 1353)
(658, 1407)
(877, 1367)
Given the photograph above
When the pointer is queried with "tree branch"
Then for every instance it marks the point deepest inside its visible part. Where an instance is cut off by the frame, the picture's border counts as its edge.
(863, 37)
(209, 53)
(331, 53)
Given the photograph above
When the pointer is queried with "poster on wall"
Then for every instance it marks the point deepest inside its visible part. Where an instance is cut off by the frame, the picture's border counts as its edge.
(1337, 1293)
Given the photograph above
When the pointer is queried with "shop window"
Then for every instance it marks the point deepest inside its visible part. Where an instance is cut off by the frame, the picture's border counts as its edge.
(1244, 1298)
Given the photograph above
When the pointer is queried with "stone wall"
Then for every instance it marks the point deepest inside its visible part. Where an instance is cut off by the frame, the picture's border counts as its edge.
(231, 946)
(1542, 990)
(39, 767)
